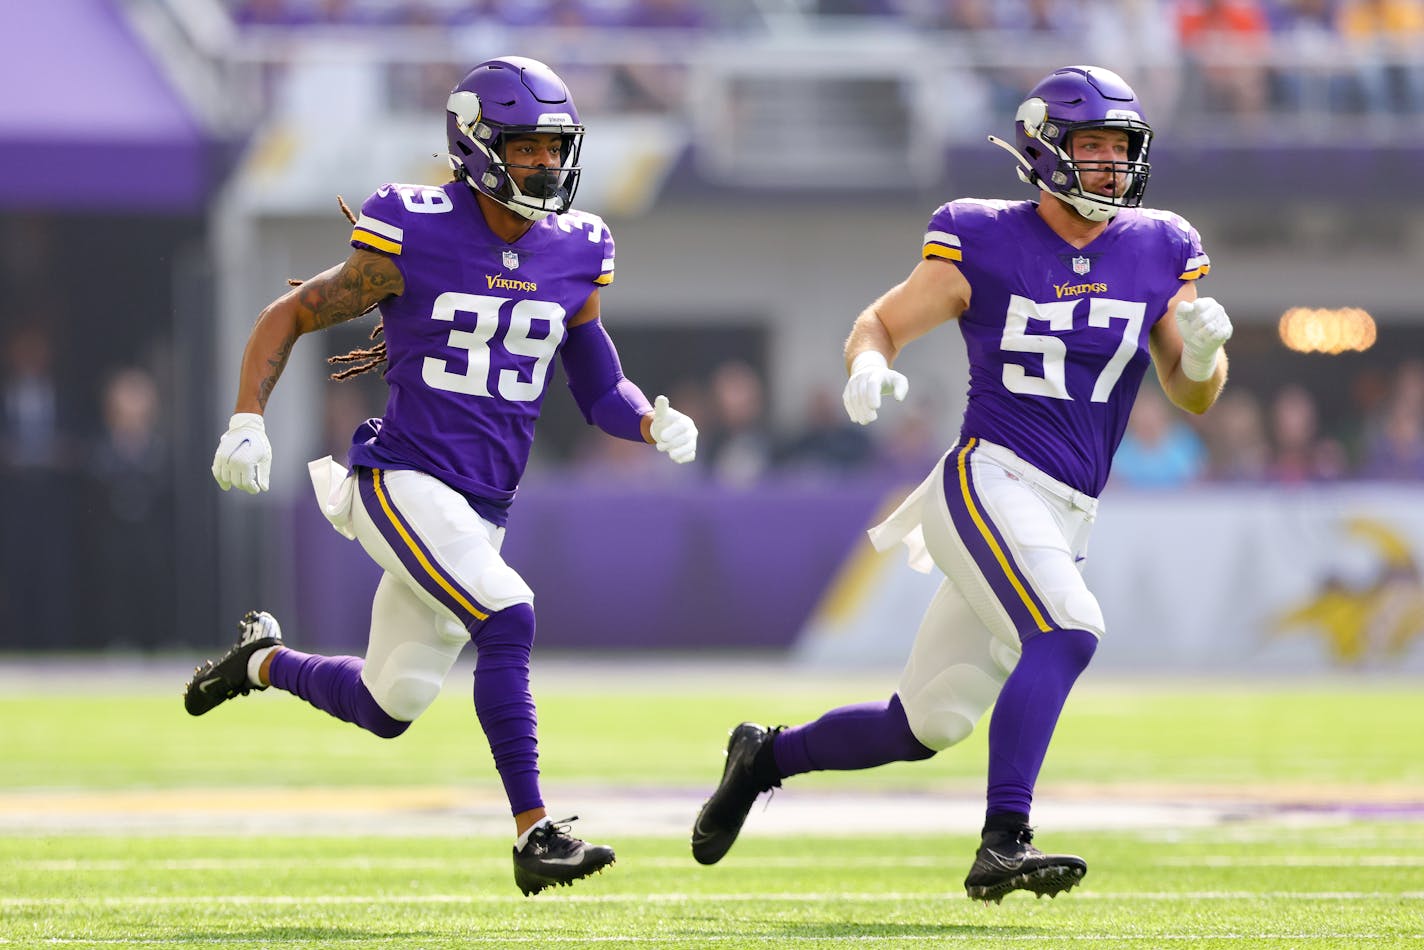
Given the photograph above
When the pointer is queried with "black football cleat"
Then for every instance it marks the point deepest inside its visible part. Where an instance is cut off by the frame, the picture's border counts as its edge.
(214, 683)
(722, 815)
(553, 856)
(1008, 861)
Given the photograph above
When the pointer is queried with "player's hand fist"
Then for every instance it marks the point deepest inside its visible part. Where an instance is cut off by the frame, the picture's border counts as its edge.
(1205, 328)
(244, 456)
(870, 379)
(673, 432)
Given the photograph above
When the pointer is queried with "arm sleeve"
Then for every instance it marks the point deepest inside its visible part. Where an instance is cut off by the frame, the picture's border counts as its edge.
(605, 397)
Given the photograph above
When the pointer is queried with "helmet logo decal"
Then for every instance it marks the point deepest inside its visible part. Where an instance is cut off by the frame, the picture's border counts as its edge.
(1032, 113)
(466, 106)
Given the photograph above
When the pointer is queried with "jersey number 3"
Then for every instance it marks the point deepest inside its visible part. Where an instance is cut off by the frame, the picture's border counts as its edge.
(1102, 311)
(478, 343)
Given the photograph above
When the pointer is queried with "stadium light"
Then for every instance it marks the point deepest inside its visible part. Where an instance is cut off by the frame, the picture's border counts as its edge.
(1322, 330)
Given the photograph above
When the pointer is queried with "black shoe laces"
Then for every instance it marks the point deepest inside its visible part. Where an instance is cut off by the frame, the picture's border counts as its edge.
(555, 836)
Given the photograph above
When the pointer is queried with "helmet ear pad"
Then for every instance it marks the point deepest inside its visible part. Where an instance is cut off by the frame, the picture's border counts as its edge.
(496, 175)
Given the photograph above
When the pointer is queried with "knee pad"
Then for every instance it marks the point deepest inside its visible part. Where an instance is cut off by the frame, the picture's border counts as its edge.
(499, 586)
(408, 681)
(1083, 612)
(946, 710)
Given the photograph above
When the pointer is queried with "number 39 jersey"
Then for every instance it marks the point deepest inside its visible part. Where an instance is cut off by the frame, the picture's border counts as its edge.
(471, 339)
(1057, 336)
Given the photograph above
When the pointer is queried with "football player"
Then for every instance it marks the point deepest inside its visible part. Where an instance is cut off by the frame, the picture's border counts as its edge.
(1062, 303)
(480, 283)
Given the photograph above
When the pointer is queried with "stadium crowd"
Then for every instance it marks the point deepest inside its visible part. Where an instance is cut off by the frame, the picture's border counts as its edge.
(1247, 57)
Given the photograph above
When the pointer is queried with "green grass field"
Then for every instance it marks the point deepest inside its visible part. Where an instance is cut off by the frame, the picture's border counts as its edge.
(1319, 840)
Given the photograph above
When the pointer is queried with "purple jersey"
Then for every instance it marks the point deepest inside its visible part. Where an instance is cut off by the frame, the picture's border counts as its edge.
(1057, 336)
(471, 340)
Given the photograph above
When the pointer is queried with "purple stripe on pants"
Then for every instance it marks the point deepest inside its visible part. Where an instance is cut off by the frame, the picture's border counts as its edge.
(411, 550)
(964, 503)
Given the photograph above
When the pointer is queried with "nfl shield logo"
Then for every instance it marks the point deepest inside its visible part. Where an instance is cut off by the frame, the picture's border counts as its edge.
(1080, 265)
(511, 260)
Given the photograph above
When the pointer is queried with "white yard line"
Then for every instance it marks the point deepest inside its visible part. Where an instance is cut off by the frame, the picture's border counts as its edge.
(1293, 939)
(722, 899)
(466, 864)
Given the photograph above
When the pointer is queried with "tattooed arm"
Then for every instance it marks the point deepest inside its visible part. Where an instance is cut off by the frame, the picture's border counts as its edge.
(334, 296)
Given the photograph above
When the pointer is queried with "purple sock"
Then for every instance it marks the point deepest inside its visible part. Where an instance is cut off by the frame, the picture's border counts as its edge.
(333, 684)
(1027, 711)
(504, 704)
(851, 737)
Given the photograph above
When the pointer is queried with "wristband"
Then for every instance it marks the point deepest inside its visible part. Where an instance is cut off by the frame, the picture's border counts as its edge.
(1199, 369)
(867, 360)
(247, 420)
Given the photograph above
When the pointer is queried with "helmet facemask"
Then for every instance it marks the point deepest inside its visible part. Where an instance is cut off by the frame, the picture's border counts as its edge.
(1052, 143)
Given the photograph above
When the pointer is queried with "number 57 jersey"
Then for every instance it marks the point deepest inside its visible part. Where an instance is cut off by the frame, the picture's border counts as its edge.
(1057, 336)
(470, 341)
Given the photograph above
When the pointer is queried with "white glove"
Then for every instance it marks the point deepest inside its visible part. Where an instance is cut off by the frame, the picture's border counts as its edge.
(244, 456)
(870, 378)
(1205, 328)
(673, 432)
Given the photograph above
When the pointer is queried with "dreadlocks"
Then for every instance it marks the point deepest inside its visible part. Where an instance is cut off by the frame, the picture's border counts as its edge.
(367, 358)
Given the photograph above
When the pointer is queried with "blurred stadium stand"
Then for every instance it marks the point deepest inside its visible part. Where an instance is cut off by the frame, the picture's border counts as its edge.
(766, 166)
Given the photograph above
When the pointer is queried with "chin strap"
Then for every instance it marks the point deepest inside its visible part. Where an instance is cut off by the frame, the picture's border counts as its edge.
(1090, 209)
(1026, 173)
(462, 173)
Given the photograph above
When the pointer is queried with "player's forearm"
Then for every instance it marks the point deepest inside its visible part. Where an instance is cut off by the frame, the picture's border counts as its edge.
(1197, 396)
(266, 355)
(866, 334)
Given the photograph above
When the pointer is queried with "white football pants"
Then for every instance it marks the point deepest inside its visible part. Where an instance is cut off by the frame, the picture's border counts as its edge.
(443, 571)
(1010, 541)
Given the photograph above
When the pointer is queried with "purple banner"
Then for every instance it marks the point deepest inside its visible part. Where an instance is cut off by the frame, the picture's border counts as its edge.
(87, 120)
(646, 568)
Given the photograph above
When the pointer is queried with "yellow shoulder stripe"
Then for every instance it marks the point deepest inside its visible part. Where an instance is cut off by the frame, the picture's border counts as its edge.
(376, 241)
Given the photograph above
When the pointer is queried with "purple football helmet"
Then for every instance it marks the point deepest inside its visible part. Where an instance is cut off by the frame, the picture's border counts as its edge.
(502, 98)
(1069, 100)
